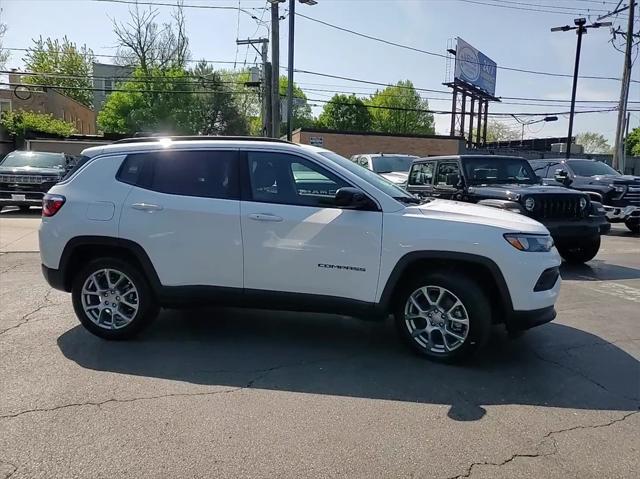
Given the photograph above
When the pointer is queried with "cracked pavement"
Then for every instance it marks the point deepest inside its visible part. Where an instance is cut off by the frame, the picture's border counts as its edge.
(230, 393)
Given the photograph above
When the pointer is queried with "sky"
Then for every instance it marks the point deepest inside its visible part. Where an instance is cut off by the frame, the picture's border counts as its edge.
(514, 33)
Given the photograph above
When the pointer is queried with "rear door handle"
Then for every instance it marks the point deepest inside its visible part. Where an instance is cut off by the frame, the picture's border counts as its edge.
(146, 207)
(265, 217)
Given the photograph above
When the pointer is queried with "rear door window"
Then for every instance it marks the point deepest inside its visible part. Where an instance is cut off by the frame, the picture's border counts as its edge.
(207, 173)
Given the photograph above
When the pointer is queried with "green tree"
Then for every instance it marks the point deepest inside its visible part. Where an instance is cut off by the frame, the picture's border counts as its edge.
(400, 109)
(214, 109)
(497, 131)
(301, 115)
(593, 142)
(346, 113)
(19, 122)
(632, 143)
(4, 54)
(152, 101)
(63, 65)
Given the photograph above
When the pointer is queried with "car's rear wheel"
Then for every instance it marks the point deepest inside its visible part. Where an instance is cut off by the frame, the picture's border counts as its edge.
(579, 251)
(112, 299)
(443, 317)
(633, 225)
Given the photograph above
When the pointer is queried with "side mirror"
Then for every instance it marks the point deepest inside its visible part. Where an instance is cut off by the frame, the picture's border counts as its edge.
(351, 198)
(562, 176)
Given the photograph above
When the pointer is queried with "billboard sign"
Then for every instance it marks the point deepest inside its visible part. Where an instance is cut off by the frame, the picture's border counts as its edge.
(475, 68)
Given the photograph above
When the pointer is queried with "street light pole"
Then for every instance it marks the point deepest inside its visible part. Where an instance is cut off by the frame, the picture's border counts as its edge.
(532, 122)
(292, 22)
(580, 31)
(581, 28)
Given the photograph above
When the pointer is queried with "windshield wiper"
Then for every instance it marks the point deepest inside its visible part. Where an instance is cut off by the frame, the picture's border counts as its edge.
(410, 200)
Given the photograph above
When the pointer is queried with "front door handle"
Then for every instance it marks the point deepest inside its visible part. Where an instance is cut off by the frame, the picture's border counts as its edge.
(265, 217)
(146, 207)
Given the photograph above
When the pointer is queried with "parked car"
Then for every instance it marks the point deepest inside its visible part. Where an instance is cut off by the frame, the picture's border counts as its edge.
(25, 176)
(619, 194)
(393, 166)
(265, 223)
(507, 182)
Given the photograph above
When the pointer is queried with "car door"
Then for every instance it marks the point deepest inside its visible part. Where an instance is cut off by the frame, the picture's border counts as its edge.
(184, 210)
(420, 180)
(296, 240)
(446, 179)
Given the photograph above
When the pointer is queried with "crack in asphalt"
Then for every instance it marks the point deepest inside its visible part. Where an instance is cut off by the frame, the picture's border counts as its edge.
(15, 468)
(577, 372)
(263, 373)
(11, 268)
(549, 435)
(25, 318)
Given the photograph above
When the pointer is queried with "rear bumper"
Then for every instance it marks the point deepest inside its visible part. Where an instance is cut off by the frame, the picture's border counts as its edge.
(522, 320)
(54, 277)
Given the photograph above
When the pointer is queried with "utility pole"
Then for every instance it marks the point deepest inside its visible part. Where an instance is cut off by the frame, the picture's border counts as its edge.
(292, 23)
(580, 28)
(275, 65)
(618, 149)
(265, 81)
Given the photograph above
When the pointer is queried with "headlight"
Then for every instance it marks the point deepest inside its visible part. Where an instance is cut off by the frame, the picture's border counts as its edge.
(530, 243)
(618, 188)
(583, 203)
(529, 204)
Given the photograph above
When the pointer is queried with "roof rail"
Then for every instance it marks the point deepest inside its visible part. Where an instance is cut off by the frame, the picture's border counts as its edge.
(202, 138)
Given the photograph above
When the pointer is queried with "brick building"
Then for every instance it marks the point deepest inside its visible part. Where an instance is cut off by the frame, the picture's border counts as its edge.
(50, 101)
(105, 78)
(353, 143)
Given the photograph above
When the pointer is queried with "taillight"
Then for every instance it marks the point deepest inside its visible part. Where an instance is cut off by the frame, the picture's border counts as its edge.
(51, 204)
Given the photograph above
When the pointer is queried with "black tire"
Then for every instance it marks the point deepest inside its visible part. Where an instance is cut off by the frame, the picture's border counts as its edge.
(633, 225)
(475, 302)
(580, 251)
(147, 304)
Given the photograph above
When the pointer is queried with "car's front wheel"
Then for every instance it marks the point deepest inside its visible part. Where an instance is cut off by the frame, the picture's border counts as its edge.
(112, 299)
(580, 251)
(633, 225)
(443, 317)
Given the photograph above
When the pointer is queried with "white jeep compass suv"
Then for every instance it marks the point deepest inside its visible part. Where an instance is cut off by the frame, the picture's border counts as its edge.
(149, 223)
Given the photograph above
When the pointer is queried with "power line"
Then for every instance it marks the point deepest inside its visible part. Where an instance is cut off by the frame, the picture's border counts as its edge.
(527, 7)
(230, 62)
(441, 55)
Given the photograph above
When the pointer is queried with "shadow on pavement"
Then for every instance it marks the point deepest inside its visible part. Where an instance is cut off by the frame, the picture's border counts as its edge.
(598, 270)
(554, 365)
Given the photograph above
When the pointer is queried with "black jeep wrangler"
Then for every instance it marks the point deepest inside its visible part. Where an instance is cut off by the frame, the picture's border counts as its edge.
(618, 193)
(573, 219)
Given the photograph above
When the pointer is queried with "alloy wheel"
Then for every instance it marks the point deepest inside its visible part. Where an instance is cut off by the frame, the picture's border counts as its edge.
(110, 299)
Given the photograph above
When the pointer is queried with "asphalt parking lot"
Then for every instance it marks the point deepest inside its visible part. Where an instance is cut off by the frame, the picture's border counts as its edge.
(230, 393)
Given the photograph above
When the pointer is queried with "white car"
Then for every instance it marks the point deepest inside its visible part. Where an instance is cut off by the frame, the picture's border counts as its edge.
(151, 223)
(394, 167)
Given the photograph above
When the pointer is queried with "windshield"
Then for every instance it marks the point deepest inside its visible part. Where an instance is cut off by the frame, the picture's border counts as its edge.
(369, 176)
(591, 168)
(492, 170)
(389, 163)
(35, 159)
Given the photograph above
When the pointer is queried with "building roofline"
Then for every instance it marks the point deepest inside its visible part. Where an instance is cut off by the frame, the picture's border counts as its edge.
(375, 133)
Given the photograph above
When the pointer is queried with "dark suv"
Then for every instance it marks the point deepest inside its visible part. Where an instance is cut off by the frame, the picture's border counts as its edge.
(573, 219)
(25, 176)
(619, 194)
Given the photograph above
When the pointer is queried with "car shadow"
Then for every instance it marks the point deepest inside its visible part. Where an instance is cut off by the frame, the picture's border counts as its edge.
(553, 365)
(597, 270)
(622, 231)
(15, 212)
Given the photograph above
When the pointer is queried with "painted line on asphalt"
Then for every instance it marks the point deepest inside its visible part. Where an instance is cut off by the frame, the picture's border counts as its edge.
(613, 289)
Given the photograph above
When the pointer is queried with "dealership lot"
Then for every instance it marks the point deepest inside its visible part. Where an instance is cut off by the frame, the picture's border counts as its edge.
(228, 393)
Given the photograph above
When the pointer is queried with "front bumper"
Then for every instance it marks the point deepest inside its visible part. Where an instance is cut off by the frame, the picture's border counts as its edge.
(619, 214)
(523, 320)
(585, 228)
(21, 198)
